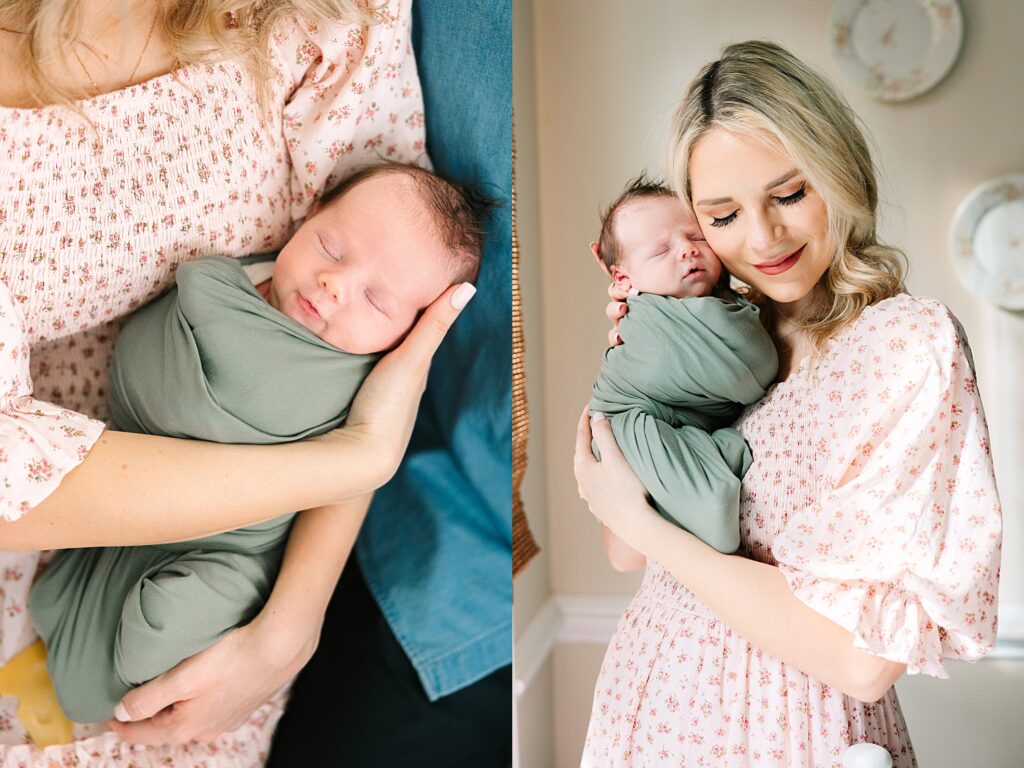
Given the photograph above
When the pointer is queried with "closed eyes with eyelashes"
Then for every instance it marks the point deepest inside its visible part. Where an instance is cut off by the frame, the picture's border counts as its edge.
(791, 199)
(667, 248)
(327, 251)
(371, 300)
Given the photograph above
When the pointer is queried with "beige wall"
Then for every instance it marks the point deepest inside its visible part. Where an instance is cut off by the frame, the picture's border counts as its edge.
(607, 75)
(605, 89)
(532, 586)
(534, 714)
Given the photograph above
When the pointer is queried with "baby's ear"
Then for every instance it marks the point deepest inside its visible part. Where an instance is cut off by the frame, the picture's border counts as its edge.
(621, 279)
(595, 248)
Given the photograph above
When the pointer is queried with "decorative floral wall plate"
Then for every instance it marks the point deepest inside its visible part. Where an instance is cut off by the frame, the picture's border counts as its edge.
(896, 49)
(986, 241)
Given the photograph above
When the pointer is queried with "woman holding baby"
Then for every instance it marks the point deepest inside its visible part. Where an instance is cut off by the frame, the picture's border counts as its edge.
(136, 136)
(869, 519)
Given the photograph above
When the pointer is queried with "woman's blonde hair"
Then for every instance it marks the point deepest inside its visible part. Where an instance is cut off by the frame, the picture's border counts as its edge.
(759, 89)
(196, 31)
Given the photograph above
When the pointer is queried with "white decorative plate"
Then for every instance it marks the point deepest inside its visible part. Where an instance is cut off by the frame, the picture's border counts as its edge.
(896, 49)
(986, 241)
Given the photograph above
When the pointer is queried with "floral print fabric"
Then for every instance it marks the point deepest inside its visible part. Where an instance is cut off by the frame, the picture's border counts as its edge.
(872, 489)
(39, 442)
(95, 216)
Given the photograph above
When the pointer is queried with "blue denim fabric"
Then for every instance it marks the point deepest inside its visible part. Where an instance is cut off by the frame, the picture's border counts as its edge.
(436, 548)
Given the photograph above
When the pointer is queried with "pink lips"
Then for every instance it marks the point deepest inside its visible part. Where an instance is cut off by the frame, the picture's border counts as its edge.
(309, 308)
(781, 265)
(693, 273)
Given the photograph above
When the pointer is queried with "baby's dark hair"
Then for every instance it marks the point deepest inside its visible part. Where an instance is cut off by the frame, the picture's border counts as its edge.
(457, 211)
(636, 189)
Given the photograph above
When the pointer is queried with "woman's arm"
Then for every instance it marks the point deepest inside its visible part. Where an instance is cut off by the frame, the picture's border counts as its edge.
(141, 489)
(622, 556)
(217, 690)
(753, 598)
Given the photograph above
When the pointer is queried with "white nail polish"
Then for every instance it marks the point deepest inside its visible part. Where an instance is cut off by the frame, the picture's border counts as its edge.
(462, 295)
(598, 416)
(121, 714)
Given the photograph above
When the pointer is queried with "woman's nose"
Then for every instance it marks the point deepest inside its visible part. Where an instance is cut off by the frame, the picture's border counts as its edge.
(764, 234)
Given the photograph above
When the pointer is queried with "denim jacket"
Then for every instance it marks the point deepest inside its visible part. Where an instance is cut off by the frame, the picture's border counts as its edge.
(436, 547)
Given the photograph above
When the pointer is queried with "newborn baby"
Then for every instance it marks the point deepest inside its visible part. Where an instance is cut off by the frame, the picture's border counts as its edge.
(220, 359)
(693, 355)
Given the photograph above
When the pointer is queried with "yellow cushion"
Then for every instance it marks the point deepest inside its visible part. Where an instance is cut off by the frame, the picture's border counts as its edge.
(25, 678)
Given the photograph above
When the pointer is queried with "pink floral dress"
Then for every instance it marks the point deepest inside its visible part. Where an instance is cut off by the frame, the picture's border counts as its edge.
(94, 219)
(872, 489)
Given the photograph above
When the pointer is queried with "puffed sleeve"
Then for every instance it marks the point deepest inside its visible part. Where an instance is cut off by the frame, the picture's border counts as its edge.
(902, 546)
(353, 98)
(39, 442)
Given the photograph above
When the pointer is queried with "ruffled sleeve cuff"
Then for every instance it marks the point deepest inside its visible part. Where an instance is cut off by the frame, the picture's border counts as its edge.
(891, 620)
(39, 442)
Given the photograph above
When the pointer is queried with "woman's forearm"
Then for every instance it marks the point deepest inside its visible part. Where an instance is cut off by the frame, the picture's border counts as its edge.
(319, 545)
(622, 556)
(755, 600)
(141, 489)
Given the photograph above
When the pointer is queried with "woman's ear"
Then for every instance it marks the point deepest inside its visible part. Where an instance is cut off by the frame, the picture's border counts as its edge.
(595, 248)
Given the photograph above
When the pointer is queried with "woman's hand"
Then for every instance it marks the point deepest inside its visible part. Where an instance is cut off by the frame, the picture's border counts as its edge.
(616, 310)
(216, 690)
(384, 410)
(610, 486)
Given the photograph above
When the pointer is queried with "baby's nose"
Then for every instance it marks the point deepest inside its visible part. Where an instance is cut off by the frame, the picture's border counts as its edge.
(333, 285)
(689, 250)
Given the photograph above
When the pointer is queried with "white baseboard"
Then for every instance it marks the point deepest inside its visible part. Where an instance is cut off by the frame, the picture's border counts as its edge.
(591, 620)
(564, 618)
(534, 646)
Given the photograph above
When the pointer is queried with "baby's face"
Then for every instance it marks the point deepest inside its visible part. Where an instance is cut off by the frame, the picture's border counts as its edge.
(663, 250)
(358, 272)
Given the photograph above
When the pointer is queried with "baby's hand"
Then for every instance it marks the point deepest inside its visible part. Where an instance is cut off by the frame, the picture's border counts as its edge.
(616, 310)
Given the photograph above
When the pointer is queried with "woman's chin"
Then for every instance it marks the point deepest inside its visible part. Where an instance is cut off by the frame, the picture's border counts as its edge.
(786, 293)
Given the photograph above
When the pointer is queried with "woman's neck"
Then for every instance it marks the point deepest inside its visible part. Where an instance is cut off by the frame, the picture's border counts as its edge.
(120, 44)
(791, 342)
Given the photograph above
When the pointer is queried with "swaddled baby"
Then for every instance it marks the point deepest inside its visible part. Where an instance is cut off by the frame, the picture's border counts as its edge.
(219, 358)
(693, 355)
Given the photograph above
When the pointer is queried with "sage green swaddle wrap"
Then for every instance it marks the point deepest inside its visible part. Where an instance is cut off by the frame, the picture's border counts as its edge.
(210, 360)
(684, 371)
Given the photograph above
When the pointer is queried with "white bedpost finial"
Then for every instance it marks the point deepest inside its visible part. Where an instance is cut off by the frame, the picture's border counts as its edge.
(866, 756)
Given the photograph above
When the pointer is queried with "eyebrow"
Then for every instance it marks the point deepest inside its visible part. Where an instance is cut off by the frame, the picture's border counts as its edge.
(770, 185)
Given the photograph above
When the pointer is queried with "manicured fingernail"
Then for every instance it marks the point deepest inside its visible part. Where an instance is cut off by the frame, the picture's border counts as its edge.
(598, 417)
(618, 339)
(122, 714)
(462, 295)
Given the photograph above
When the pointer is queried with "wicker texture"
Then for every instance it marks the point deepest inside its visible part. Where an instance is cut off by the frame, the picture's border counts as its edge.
(524, 548)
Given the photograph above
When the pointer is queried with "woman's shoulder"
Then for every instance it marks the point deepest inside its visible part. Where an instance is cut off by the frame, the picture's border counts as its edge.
(909, 322)
(903, 336)
(903, 305)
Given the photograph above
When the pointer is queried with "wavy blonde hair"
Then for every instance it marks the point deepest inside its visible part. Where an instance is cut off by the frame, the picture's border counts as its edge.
(759, 89)
(196, 31)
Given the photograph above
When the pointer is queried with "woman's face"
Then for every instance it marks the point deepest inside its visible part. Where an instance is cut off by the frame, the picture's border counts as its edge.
(759, 214)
